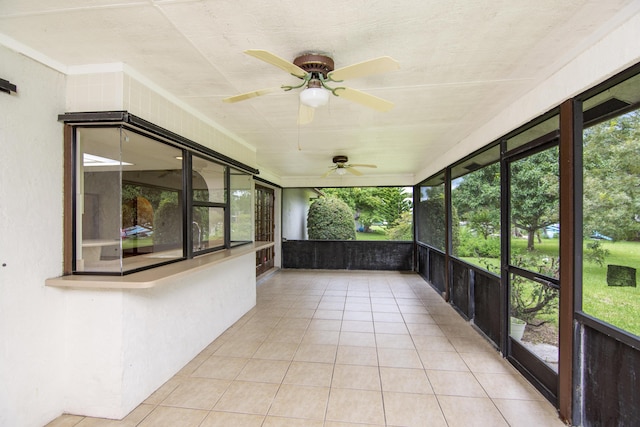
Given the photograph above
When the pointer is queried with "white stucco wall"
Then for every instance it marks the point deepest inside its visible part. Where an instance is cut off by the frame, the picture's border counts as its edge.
(115, 87)
(91, 352)
(295, 207)
(124, 344)
(31, 315)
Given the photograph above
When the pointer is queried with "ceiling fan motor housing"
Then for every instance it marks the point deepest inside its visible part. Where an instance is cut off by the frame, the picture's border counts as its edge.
(315, 64)
(340, 159)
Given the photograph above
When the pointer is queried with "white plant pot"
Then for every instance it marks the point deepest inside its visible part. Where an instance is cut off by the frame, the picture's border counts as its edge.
(517, 328)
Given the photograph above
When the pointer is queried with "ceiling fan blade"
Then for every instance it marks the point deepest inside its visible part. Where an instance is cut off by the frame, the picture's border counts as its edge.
(272, 59)
(353, 171)
(384, 64)
(363, 166)
(365, 99)
(250, 95)
(305, 114)
(326, 174)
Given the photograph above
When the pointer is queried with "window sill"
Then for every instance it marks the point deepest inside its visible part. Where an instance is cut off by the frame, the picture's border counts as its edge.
(156, 276)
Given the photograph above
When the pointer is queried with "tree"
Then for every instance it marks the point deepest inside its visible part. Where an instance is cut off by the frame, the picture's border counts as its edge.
(330, 218)
(476, 199)
(612, 178)
(535, 192)
(394, 203)
(479, 190)
(484, 222)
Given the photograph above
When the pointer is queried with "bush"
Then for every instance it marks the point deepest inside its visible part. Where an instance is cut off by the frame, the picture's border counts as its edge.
(403, 230)
(473, 246)
(596, 253)
(330, 218)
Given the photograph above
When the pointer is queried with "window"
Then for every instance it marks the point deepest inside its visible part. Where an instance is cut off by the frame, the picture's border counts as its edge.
(432, 224)
(611, 206)
(142, 200)
(209, 203)
(128, 201)
(241, 207)
(475, 200)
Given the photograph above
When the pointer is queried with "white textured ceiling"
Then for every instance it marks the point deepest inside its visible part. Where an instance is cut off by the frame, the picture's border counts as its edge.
(461, 62)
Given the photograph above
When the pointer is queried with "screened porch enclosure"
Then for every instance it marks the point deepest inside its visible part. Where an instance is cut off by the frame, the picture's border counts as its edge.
(517, 238)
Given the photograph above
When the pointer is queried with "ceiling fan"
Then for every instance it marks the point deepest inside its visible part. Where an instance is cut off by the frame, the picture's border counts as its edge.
(341, 167)
(316, 72)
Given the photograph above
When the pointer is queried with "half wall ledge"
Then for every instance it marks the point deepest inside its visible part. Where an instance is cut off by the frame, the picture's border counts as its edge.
(156, 276)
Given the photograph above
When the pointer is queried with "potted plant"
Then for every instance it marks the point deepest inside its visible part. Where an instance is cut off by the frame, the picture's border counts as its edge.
(529, 298)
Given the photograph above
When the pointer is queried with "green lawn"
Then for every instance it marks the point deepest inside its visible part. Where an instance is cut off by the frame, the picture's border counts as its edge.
(137, 242)
(376, 233)
(619, 306)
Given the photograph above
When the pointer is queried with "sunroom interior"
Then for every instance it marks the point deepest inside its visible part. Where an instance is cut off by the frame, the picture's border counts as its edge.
(162, 210)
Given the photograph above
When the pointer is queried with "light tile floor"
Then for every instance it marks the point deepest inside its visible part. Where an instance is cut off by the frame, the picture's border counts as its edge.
(339, 349)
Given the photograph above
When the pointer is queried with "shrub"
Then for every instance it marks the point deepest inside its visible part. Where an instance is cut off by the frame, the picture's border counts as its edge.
(403, 230)
(471, 245)
(330, 218)
(528, 298)
(596, 253)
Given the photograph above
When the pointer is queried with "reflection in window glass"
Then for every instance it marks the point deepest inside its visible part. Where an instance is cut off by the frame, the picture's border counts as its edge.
(129, 213)
(611, 220)
(207, 181)
(432, 225)
(240, 194)
(208, 185)
(475, 199)
(207, 228)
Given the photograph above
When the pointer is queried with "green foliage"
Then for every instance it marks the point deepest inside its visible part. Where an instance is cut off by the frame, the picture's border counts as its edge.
(432, 218)
(485, 222)
(530, 299)
(479, 191)
(403, 230)
(612, 177)
(470, 245)
(371, 205)
(330, 218)
(596, 253)
(241, 225)
(535, 192)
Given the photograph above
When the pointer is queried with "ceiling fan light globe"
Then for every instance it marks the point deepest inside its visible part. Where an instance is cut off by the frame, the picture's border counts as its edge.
(341, 171)
(314, 97)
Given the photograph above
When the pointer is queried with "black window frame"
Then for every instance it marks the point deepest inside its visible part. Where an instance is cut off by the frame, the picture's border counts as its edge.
(132, 123)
